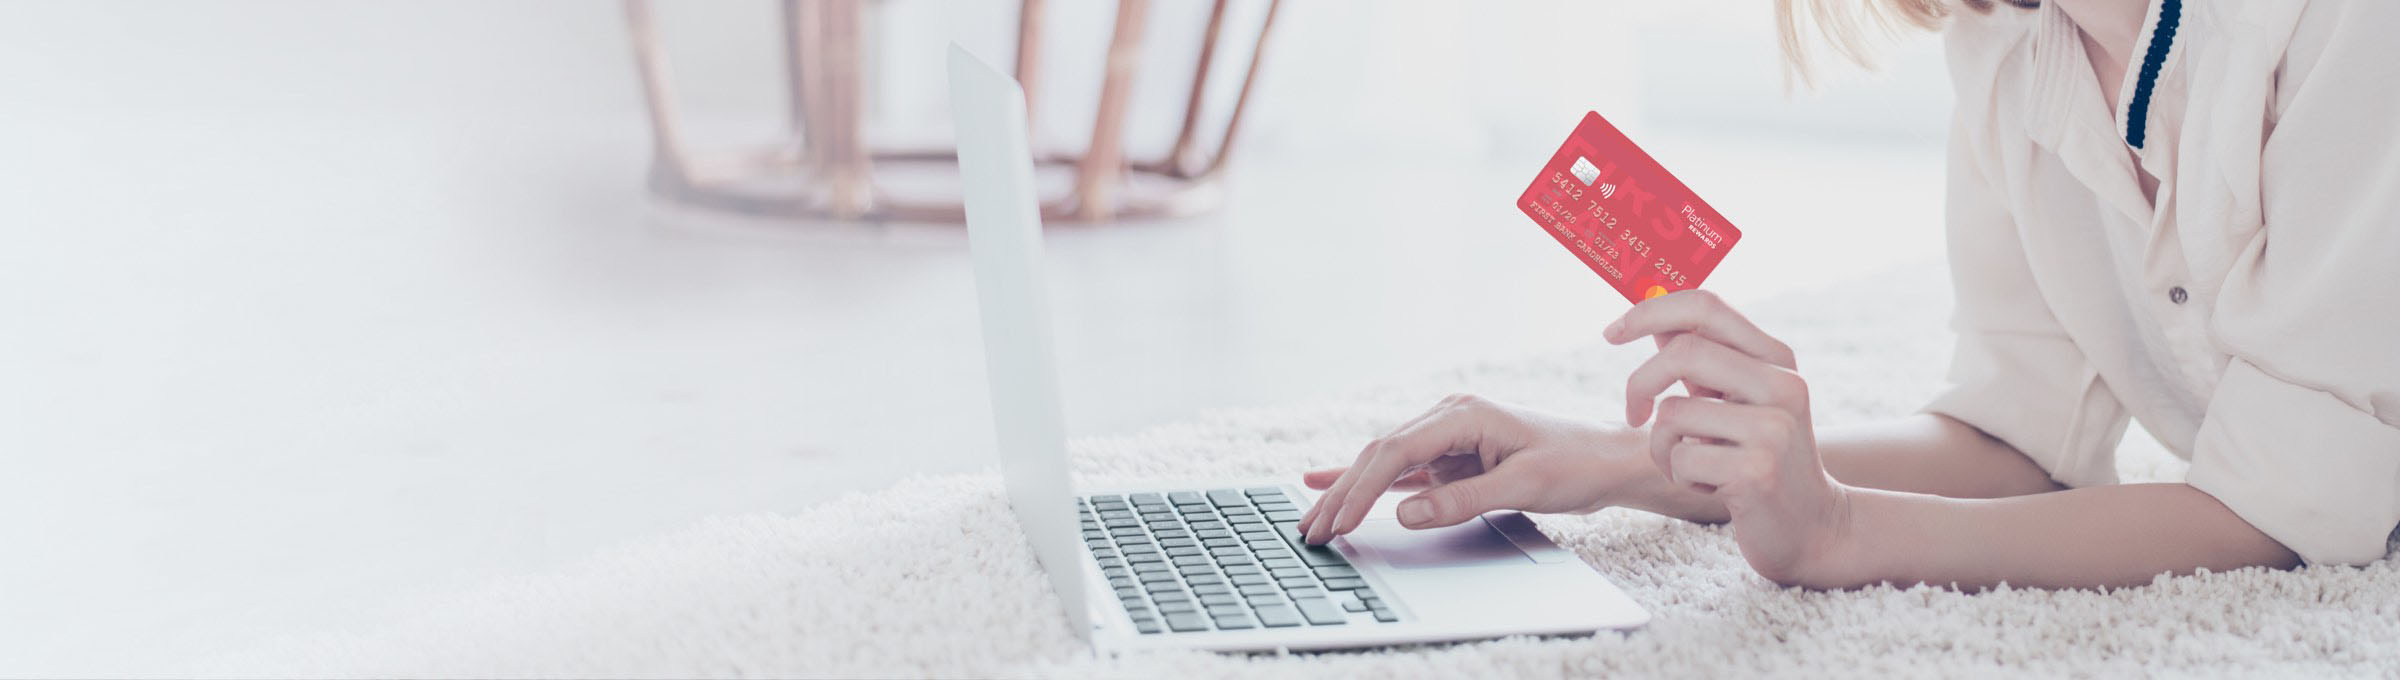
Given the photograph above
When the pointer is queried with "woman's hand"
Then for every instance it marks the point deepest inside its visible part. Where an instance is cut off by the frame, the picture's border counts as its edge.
(1744, 436)
(1473, 456)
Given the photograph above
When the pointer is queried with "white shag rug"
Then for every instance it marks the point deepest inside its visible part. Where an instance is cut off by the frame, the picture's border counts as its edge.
(849, 589)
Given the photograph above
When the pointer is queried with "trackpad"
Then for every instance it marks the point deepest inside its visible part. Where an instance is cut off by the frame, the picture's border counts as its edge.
(1473, 544)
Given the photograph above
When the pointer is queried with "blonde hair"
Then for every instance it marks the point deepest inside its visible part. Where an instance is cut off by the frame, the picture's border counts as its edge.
(1856, 29)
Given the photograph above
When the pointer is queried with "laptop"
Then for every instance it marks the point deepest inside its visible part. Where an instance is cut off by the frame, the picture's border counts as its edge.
(1217, 564)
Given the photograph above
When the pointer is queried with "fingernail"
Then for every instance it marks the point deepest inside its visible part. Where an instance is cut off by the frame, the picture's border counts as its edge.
(1416, 512)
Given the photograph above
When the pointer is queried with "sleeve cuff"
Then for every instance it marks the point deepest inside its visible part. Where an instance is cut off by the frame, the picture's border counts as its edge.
(2015, 389)
(2306, 469)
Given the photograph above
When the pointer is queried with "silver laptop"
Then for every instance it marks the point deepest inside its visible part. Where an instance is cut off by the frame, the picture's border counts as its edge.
(1216, 564)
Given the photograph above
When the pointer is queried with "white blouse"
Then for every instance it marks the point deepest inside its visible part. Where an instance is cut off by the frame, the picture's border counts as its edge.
(2250, 317)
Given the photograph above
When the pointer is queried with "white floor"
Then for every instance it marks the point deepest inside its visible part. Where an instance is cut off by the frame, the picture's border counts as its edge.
(267, 398)
(265, 372)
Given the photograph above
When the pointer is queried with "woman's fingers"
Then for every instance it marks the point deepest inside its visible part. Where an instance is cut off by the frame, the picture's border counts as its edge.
(1681, 418)
(1457, 427)
(1712, 443)
(1309, 518)
(1661, 340)
(1323, 479)
(1462, 500)
(1707, 466)
(1705, 365)
(1703, 313)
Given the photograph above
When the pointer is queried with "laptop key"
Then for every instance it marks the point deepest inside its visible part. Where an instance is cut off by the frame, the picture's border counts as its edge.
(1180, 551)
(1234, 622)
(1263, 600)
(1260, 589)
(1257, 491)
(1320, 611)
(1214, 599)
(1337, 571)
(1250, 579)
(1277, 507)
(1226, 497)
(1206, 589)
(1146, 626)
(1300, 582)
(1231, 570)
(1386, 615)
(1182, 497)
(1298, 593)
(1322, 556)
(1186, 622)
(1204, 579)
(1177, 607)
(1290, 572)
(1284, 516)
(1226, 610)
(1345, 583)
(1275, 563)
(1278, 616)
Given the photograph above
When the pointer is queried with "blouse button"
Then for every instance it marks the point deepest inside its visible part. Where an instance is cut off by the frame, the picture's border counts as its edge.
(2177, 296)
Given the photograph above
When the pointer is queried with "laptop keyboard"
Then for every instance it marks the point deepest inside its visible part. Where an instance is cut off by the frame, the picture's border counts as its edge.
(1225, 559)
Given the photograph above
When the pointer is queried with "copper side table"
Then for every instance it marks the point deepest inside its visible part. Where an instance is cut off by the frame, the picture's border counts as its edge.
(836, 172)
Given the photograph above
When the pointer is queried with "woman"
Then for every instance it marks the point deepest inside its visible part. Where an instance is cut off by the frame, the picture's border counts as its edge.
(2182, 212)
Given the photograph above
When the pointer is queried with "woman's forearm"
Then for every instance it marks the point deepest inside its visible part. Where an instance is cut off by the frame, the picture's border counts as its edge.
(1925, 453)
(1930, 454)
(2118, 535)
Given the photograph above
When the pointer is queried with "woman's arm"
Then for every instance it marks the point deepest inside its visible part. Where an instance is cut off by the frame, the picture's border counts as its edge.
(1746, 439)
(1925, 453)
(2122, 535)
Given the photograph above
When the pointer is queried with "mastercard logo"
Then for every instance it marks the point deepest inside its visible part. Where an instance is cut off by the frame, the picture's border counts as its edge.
(1654, 291)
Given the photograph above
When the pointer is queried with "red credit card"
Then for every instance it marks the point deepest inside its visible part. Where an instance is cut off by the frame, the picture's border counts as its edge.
(1625, 216)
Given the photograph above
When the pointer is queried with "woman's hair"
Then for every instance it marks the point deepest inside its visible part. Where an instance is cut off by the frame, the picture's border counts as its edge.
(1854, 27)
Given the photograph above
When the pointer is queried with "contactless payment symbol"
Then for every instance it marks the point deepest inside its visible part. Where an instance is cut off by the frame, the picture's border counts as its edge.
(1584, 170)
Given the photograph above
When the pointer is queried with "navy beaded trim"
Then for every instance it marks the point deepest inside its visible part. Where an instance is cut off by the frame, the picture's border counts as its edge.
(2137, 116)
